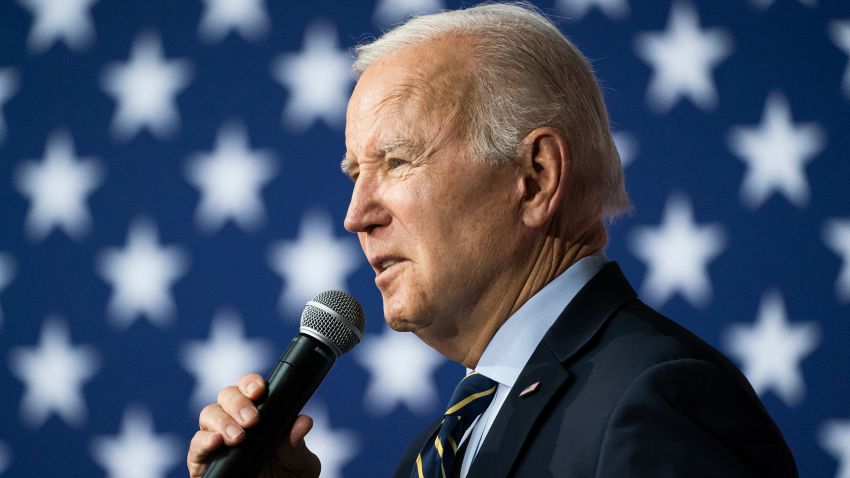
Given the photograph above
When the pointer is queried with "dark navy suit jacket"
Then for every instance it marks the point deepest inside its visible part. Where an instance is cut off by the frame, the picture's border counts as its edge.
(625, 392)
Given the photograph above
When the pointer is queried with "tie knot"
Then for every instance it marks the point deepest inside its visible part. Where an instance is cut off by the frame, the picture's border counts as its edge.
(472, 395)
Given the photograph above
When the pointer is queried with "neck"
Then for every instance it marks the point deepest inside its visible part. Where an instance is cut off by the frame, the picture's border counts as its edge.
(554, 254)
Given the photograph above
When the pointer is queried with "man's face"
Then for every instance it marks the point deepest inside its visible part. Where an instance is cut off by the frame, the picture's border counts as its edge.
(438, 227)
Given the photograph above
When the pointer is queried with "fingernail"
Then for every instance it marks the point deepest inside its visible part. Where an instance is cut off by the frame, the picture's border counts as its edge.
(233, 432)
(252, 386)
(248, 414)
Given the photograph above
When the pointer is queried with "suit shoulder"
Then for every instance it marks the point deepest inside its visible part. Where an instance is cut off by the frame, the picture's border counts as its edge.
(639, 344)
(690, 409)
(638, 337)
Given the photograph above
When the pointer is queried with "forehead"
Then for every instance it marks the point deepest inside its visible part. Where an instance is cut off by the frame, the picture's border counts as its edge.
(415, 91)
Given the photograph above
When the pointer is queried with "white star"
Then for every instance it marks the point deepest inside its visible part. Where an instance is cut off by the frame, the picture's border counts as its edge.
(840, 33)
(834, 437)
(141, 275)
(682, 59)
(771, 350)
(137, 452)
(627, 146)
(145, 88)
(248, 17)
(579, 8)
(836, 235)
(5, 457)
(677, 254)
(335, 447)
(776, 153)
(230, 179)
(401, 371)
(316, 261)
(319, 79)
(53, 374)
(7, 273)
(58, 188)
(68, 20)
(8, 88)
(224, 357)
(389, 12)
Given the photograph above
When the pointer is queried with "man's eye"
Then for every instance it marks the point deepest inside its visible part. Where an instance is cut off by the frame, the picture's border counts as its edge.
(395, 162)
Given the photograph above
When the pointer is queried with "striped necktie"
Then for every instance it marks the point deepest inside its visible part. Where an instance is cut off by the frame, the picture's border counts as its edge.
(472, 396)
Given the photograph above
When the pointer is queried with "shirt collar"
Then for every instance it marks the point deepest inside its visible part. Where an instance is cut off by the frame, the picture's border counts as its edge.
(515, 341)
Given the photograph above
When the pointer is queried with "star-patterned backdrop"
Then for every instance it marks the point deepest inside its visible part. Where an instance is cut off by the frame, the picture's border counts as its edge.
(170, 196)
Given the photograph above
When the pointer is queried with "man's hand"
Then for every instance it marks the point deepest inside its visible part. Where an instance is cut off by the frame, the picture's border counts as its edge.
(225, 421)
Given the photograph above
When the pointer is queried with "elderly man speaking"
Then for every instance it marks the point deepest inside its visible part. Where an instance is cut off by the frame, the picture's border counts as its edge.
(484, 173)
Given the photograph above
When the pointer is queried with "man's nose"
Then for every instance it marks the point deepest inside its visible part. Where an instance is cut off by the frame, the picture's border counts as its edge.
(366, 210)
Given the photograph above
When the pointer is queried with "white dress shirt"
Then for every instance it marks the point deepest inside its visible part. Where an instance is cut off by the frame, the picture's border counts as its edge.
(515, 341)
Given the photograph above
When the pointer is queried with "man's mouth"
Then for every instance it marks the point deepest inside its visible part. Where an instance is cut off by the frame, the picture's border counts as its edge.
(380, 264)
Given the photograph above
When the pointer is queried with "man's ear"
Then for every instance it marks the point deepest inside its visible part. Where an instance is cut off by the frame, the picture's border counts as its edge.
(544, 166)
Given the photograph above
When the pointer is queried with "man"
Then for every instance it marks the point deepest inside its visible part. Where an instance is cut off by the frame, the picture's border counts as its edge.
(484, 170)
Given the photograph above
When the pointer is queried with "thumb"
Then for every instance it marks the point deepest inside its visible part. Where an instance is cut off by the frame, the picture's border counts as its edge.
(303, 424)
(293, 456)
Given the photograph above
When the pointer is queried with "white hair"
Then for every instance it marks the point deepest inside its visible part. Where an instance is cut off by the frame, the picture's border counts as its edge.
(525, 74)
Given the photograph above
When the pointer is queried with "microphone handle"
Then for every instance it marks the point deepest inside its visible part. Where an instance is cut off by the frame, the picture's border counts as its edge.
(293, 381)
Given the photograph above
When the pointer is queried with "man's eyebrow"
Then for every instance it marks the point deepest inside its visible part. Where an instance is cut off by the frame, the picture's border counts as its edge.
(399, 144)
(349, 164)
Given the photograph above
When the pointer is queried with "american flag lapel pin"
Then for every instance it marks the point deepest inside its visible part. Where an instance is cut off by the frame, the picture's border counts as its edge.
(529, 389)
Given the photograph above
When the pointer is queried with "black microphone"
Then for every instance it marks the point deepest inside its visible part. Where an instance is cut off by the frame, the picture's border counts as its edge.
(332, 323)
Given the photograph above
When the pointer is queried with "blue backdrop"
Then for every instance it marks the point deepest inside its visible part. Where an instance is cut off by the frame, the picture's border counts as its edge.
(170, 196)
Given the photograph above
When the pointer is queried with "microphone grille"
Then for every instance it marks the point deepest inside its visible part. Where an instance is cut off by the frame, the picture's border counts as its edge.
(335, 318)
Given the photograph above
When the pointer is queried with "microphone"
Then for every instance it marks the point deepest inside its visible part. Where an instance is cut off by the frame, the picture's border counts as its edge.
(332, 323)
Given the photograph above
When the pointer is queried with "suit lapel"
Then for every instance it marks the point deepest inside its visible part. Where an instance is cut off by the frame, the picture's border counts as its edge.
(518, 414)
(575, 327)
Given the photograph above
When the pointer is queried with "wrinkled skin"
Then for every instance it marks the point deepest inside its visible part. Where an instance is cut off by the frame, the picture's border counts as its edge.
(457, 244)
(234, 411)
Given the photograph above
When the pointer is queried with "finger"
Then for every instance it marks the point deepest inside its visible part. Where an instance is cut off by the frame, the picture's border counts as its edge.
(252, 386)
(238, 406)
(214, 419)
(293, 454)
(202, 444)
(303, 424)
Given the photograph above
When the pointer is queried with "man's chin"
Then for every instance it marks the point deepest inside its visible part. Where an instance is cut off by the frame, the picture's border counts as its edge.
(399, 324)
(395, 314)
(400, 321)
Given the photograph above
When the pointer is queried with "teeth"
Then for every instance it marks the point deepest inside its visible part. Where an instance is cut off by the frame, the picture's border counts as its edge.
(387, 263)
